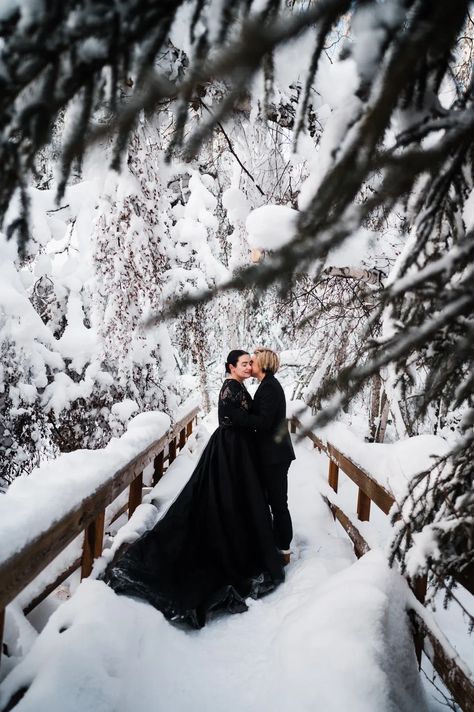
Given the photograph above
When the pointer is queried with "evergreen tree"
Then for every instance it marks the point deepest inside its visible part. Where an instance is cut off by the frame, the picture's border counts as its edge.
(403, 144)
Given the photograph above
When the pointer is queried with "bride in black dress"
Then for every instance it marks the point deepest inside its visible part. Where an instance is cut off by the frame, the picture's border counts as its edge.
(214, 547)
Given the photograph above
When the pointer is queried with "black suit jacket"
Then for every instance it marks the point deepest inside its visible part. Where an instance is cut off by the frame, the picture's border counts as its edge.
(268, 417)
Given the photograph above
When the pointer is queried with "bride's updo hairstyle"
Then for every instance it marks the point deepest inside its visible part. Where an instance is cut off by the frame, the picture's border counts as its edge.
(233, 357)
(267, 359)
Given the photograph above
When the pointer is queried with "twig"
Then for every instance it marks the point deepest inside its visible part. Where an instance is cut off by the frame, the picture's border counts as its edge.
(231, 149)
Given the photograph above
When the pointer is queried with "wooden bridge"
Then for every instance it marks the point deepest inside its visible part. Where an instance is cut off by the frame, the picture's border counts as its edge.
(88, 517)
(454, 676)
(96, 511)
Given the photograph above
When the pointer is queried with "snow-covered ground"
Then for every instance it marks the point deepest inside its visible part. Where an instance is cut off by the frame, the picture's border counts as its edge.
(333, 637)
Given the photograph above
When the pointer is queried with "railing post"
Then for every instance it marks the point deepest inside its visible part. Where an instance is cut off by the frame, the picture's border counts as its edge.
(363, 506)
(418, 586)
(292, 426)
(189, 428)
(172, 451)
(182, 438)
(158, 467)
(93, 544)
(135, 494)
(333, 476)
(2, 626)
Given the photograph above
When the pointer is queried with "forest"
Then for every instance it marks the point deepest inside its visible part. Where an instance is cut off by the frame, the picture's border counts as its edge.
(185, 177)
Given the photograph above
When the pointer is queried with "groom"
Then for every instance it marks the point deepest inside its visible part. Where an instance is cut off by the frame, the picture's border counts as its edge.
(276, 452)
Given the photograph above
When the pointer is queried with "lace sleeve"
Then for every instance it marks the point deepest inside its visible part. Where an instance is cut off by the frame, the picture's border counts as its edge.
(233, 396)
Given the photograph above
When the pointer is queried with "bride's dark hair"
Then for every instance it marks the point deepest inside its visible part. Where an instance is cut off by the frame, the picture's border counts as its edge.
(233, 357)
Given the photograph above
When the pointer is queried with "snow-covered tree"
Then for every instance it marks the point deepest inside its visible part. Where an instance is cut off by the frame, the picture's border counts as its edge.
(397, 140)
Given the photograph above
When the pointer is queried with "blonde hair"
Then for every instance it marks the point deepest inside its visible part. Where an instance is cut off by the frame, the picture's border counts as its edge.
(267, 359)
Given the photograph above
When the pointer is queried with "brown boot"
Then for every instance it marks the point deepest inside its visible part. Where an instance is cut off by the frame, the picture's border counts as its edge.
(285, 557)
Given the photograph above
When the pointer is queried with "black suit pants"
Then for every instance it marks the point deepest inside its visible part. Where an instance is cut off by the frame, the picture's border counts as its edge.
(275, 483)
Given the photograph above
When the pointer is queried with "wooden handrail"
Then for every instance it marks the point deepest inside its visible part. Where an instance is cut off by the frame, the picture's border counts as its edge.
(366, 483)
(87, 516)
(454, 676)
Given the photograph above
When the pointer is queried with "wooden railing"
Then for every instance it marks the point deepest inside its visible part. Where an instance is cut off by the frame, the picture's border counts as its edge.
(454, 675)
(88, 516)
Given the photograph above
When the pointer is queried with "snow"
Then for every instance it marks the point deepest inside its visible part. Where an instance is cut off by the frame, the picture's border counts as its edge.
(63, 390)
(30, 10)
(271, 226)
(468, 211)
(179, 35)
(125, 409)
(144, 518)
(392, 465)
(354, 251)
(50, 573)
(23, 324)
(292, 60)
(236, 204)
(196, 221)
(334, 620)
(21, 636)
(55, 487)
(371, 27)
(337, 85)
(92, 49)
(78, 343)
(201, 202)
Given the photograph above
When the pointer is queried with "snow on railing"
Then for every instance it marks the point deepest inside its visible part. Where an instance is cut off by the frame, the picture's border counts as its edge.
(44, 513)
(453, 671)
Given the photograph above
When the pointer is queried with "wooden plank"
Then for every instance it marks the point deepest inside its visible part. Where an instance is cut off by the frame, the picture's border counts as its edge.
(189, 429)
(182, 438)
(466, 578)
(2, 628)
(419, 586)
(360, 545)
(135, 494)
(52, 586)
(172, 451)
(316, 441)
(183, 422)
(158, 467)
(460, 685)
(93, 543)
(123, 509)
(363, 506)
(309, 434)
(293, 423)
(18, 571)
(378, 494)
(333, 476)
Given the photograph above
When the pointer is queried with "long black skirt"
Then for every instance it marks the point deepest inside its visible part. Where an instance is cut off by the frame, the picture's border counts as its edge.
(214, 547)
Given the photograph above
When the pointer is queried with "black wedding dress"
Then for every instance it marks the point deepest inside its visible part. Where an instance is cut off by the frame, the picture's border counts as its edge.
(214, 547)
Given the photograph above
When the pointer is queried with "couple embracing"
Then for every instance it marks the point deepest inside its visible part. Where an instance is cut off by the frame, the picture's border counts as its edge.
(227, 534)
